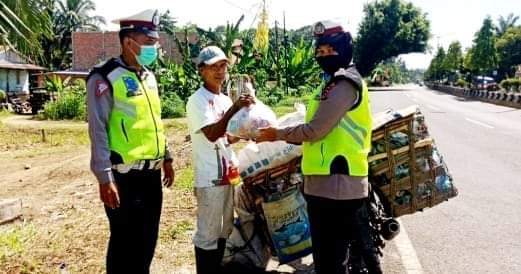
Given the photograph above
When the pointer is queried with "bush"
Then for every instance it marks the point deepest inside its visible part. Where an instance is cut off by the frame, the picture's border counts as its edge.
(462, 83)
(511, 84)
(172, 106)
(270, 96)
(68, 106)
(505, 84)
(71, 103)
(290, 101)
(3, 96)
(182, 80)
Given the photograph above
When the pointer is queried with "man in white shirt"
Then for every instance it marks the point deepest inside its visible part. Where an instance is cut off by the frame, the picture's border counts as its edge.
(214, 162)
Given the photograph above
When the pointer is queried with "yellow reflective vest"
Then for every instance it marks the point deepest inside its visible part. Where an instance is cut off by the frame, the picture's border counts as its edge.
(135, 129)
(350, 139)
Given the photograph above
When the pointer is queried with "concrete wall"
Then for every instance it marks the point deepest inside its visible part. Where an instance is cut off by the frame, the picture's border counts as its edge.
(509, 99)
(16, 81)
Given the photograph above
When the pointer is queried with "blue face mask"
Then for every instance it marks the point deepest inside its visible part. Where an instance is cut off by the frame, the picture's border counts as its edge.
(147, 54)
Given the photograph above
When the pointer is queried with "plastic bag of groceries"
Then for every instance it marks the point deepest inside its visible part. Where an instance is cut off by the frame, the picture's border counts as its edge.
(255, 158)
(248, 120)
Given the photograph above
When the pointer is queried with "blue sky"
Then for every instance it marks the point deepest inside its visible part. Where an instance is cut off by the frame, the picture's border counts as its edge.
(450, 19)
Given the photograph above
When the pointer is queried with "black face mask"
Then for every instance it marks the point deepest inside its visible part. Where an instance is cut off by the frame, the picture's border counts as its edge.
(330, 64)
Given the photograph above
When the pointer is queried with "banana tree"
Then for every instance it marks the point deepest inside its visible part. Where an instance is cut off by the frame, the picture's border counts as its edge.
(181, 79)
(301, 70)
(223, 39)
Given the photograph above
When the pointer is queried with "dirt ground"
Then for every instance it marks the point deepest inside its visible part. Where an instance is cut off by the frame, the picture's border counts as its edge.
(63, 219)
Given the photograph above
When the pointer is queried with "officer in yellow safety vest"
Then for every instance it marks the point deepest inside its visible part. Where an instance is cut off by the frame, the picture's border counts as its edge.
(336, 138)
(128, 144)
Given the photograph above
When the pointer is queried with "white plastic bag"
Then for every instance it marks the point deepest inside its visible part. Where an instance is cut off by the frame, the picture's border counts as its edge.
(248, 120)
(255, 158)
(295, 118)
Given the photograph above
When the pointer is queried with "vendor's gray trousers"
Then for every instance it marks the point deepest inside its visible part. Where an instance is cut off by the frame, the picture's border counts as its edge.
(214, 215)
(214, 226)
(334, 224)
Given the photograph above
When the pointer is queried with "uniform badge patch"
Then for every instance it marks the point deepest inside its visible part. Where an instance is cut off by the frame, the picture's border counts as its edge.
(101, 87)
(131, 85)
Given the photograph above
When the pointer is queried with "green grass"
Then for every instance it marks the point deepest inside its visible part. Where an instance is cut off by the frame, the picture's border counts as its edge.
(49, 137)
(290, 101)
(13, 240)
(4, 114)
(184, 179)
(176, 124)
(178, 230)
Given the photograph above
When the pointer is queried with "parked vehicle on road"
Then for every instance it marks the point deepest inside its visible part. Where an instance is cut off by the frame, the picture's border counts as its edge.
(484, 83)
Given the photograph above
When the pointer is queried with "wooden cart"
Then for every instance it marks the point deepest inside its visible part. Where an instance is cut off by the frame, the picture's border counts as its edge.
(417, 154)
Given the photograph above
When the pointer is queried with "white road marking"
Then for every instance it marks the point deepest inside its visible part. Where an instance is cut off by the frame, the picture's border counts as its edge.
(433, 108)
(479, 123)
(414, 99)
(410, 260)
(408, 95)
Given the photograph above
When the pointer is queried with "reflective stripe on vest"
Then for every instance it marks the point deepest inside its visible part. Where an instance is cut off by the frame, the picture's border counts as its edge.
(135, 128)
(350, 139)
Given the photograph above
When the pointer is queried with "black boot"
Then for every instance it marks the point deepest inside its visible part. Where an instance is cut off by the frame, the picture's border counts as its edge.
(209, 261)
(204, 261)
(221, 246)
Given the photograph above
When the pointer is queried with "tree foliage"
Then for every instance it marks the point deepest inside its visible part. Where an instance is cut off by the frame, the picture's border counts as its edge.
(67, 17)
(454, 58)
(23, 24)
(223, 37)
(391, 71)
(389, 28)
(437, 70)
(504, 23)
(484, 55)
(509, 51)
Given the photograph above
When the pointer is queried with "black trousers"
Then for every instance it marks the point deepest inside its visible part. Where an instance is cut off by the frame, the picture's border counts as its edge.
(134, 225)
(334, 224)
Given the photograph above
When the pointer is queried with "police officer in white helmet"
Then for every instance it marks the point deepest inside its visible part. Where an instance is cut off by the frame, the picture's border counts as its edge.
(128, 144)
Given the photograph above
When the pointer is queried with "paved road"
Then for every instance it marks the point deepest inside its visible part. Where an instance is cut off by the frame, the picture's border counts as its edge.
(480, 230)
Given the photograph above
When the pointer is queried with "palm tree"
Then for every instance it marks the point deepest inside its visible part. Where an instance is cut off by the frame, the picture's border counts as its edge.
(23, 24)
(505, 23)
(73, 15)
(69, 16)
